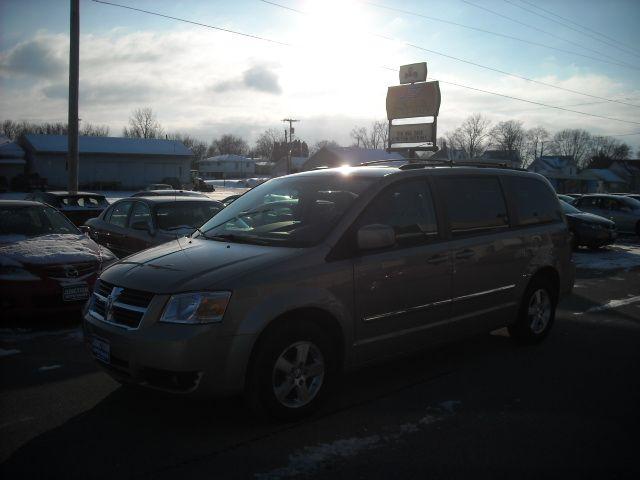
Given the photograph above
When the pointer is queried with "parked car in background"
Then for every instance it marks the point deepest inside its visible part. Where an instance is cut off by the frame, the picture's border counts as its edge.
(173, 181)
(588, 230)
(200, 185)
(566, 198)
(136, 223)
(168, 193)
(46, 263)
(309, 274)
(77, 207)
(159, 186)
(635, 196)
(624, 211)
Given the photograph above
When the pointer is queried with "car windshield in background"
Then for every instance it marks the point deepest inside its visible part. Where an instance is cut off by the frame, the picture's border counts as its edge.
(566, 208)
(32, 221)
(172, 216)
(289, 211)
(83, 201)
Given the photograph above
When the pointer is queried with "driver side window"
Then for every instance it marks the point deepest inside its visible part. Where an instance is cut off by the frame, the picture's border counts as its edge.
(408, 208)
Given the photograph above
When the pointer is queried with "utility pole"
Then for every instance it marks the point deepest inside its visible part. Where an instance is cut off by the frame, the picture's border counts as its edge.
(74, 73)
(291, 132)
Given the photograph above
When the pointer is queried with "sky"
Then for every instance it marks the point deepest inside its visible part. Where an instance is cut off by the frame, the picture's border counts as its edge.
(334, 68)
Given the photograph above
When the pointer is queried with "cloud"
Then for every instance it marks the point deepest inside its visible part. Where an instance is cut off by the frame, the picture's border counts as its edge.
(38, 57)
(258, 78)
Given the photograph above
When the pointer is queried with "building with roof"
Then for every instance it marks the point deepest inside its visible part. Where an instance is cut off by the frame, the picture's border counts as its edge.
(628, 170)
(509, 157)
(226, 166)
(339, 156)
(12, 162)
(108, 162)
(560, 170)
(281, 167)
(602, 180)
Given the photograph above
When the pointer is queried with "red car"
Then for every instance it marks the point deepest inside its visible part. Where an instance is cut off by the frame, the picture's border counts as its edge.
(46, 263)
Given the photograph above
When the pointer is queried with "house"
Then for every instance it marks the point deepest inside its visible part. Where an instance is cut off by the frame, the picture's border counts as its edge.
(281, 167)
(226, 166)
(446, 153)
(603, 180)
(560, 170)
(12, 162)
(629, 171)
(351, 156)
(108, 162)
(509, 157)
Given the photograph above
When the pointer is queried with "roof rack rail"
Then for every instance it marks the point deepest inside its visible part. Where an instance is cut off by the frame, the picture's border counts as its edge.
(453, 163)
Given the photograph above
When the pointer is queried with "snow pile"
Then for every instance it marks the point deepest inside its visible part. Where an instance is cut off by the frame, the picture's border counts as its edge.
(615, 257)
(51, 249)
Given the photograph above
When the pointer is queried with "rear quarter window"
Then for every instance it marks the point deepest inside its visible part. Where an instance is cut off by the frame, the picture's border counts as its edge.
(534, 201)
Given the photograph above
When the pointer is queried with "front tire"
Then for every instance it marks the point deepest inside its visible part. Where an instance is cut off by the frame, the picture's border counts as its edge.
(536, 314)
(292, 371)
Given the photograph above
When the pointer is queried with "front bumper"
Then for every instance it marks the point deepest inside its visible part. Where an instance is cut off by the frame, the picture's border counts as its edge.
(186, 359)
(40, 297)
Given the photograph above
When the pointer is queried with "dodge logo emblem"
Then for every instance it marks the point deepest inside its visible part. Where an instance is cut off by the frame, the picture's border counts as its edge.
(70, 271)
(111, 299)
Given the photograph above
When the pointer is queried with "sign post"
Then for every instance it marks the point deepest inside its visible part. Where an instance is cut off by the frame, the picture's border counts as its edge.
(414, 105)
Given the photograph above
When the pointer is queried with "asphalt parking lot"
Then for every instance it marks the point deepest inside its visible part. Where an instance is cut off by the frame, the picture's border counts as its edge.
(479, 407)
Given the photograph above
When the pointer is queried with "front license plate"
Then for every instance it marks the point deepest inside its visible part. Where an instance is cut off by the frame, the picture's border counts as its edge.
(73, 293)
(101, 349)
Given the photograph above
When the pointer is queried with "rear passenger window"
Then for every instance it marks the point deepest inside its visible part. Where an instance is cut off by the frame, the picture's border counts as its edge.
(119, 214)
(408, 208)
(474, 204)
(534, 201)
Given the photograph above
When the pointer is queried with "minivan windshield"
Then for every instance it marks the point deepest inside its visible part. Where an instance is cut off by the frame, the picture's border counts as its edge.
(297, 211)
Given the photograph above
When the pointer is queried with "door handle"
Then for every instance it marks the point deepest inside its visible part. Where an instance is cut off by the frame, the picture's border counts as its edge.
(466, 253)
(438, 258)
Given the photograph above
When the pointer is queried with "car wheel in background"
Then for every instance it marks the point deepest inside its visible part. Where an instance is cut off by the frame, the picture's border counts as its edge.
(537, 312)
(292, 370)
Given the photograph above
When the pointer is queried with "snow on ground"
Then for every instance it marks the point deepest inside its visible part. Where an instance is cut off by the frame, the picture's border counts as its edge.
(614, 257)
(612, 304)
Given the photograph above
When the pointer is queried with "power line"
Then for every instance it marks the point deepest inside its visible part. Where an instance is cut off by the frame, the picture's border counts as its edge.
(577, 24)
(569, 27)
(458, 59)
(388, 68)
(533, 102)
(477, 29)
(256, 37)
(616, 62)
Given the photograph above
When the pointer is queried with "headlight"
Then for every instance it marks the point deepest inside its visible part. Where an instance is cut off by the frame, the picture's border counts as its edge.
(196, 308)
(14, 273)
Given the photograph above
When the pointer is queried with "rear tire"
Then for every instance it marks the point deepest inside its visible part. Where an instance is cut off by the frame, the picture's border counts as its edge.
(292, 371)
(537, 312)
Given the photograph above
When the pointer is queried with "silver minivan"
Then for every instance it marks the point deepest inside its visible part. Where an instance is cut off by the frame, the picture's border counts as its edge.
(312, 274)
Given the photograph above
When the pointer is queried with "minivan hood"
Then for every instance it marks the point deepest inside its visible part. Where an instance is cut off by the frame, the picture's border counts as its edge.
(189, 264)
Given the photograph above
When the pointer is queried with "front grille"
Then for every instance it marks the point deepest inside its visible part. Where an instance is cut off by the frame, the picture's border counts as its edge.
(127, 309)
(70, 271)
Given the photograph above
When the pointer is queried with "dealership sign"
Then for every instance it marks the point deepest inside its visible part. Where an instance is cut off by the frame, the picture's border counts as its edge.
(413, 100)
(416, 72)
(422, 133)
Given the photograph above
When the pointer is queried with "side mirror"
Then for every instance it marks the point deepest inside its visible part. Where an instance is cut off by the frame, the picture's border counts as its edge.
(85, 229)
(376, 236)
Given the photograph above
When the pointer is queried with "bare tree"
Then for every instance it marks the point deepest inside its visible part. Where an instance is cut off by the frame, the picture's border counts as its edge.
(575, 143)
(536, 139)
(509, 136)
(143, 123)
(265, 143)
(228, 144)
(375, 137)
(321, 144)
(197, 147)
(608, 147)
(14, 130)
(472, 135)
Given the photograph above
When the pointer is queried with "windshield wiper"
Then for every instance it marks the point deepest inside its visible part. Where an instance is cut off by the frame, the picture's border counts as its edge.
(231, 237)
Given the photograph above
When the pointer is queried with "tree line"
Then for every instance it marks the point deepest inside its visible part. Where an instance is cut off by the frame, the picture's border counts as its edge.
(473, 137)
(476, 134)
